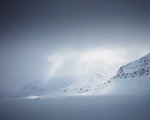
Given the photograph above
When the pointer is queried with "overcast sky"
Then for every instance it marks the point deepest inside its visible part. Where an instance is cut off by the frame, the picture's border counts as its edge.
(43, 39)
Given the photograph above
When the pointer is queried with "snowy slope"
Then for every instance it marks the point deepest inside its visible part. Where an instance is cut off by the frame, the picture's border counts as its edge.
(41, 87)
(80, 85)
(133, 78)
(138, 68)
(85, 85)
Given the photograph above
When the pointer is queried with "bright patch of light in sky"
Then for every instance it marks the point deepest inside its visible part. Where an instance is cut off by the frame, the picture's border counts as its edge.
(106, 56)
(77, 63)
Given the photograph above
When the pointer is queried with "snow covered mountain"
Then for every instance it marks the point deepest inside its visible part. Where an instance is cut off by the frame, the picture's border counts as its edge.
(138, 68)
(85, 85)
(41, 87)
(133, 78)
(78, 85)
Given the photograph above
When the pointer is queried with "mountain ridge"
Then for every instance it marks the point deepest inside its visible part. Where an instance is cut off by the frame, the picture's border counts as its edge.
(132, 78)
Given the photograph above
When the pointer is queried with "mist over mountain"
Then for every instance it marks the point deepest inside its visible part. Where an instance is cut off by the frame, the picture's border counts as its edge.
(74, 59)
(132, 78)
(42, 87)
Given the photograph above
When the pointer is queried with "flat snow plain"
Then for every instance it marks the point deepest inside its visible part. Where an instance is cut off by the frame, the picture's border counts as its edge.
(77, 108)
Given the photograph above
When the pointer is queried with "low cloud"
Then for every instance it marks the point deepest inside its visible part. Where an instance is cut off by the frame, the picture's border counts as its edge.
(76, 63)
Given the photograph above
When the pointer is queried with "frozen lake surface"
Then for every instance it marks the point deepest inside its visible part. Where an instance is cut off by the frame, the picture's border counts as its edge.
(77, 108)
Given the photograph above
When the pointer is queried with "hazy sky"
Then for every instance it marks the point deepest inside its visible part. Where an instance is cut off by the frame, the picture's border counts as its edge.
(43, 39)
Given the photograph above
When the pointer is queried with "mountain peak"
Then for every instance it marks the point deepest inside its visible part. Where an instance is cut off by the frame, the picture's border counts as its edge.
(136, 68)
